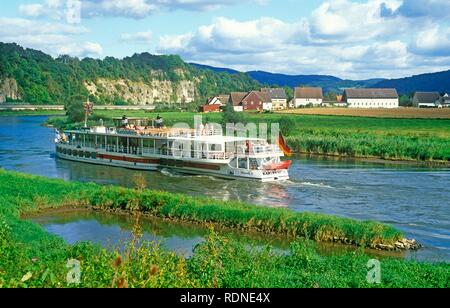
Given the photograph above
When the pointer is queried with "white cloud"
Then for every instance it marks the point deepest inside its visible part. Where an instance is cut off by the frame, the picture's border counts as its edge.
(20, 26)
(54, 9)
(125, 8)
(343, 21)
(421, 8)
(52, 38)
(144, 37)
(347, 38)
(232, 36)
(344, 38)
(32, 10)
(434, 41)
(82, 50)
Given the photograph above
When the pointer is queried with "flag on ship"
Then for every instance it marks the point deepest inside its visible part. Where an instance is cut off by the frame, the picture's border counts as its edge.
(284, 146)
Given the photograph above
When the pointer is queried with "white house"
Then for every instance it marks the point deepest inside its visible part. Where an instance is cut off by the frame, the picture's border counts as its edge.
(426, 99)
(308, 96)
(220, 100)
(278, 98)
(371, 98)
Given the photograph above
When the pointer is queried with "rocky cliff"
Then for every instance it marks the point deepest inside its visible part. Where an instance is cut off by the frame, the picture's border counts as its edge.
(142, 93)
(8, 90)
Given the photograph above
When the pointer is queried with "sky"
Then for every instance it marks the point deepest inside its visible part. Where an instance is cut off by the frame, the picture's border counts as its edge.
(353, 39)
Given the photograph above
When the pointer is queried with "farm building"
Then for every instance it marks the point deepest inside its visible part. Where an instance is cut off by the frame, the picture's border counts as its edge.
(251, 101)
(445, 101)
(258, 101)
(307, 96)
(371, 98)
(236, 100)
(215, 103)
(278, 98)
(426, 99)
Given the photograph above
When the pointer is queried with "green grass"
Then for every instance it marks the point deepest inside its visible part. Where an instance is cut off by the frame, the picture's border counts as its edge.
(30, 257)
(394, 139)
(19, 195)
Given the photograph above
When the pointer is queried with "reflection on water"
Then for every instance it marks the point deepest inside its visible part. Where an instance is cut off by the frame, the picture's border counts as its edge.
(415, 199)
(114, 231)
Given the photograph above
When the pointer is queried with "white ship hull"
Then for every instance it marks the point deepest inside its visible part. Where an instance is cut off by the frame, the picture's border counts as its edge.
(213, 167)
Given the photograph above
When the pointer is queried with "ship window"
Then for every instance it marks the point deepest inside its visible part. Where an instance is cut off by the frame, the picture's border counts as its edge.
(92, 141)
(122, 144)
(101, 141)
(254, 164)
(216, 147)
(112, 144)
(242, 163)
(148, 145)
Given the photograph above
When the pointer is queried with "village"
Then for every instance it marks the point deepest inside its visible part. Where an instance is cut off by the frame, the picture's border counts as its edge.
(276, 99)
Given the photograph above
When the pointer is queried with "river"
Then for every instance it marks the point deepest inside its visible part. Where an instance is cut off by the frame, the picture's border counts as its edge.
(415, 199)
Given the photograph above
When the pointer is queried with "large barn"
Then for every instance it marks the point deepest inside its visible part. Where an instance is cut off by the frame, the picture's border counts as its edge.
(307, 96)
(371, 98)
(426, 99)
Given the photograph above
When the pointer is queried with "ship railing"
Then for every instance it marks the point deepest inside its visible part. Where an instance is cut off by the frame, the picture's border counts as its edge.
(207, 155)
(189, 133)
(268, 150)
(209, 132)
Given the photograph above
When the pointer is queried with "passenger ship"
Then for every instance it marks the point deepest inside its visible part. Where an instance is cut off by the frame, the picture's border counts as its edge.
(181, 150)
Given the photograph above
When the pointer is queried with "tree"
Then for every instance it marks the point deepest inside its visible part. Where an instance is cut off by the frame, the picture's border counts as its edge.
(405, 101)
(330, 96)
(75, 109)
(233, 117)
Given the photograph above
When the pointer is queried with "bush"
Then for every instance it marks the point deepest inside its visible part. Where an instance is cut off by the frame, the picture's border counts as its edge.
(75, 109)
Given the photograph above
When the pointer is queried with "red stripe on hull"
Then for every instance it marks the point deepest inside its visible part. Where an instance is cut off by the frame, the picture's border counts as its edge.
(129, 159)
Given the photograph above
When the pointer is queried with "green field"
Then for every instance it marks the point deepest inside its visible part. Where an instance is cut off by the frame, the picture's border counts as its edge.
(385, 138)
(30, 257)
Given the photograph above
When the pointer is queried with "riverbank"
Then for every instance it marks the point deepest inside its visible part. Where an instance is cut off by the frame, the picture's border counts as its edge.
(422, 140)
(48, 193)
(33, 258)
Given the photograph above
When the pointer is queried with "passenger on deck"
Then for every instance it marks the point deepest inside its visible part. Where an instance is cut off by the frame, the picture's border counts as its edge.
(201, 130)
(249, 147)
(124, 121)
(207, 129)
(159, 122)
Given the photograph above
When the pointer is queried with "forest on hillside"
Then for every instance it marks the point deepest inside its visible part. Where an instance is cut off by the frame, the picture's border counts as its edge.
(43, 79)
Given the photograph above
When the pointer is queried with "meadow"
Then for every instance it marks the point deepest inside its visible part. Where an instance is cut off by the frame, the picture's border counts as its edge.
(364, 137)
(30, 257)
(402, 113)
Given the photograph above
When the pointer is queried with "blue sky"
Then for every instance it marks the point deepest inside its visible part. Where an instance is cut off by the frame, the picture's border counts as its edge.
(346, 38)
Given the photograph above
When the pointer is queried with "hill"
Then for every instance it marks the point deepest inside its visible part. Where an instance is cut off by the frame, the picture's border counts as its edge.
(216, 69)
(328, 83)
(34, 77)
(439, 82)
